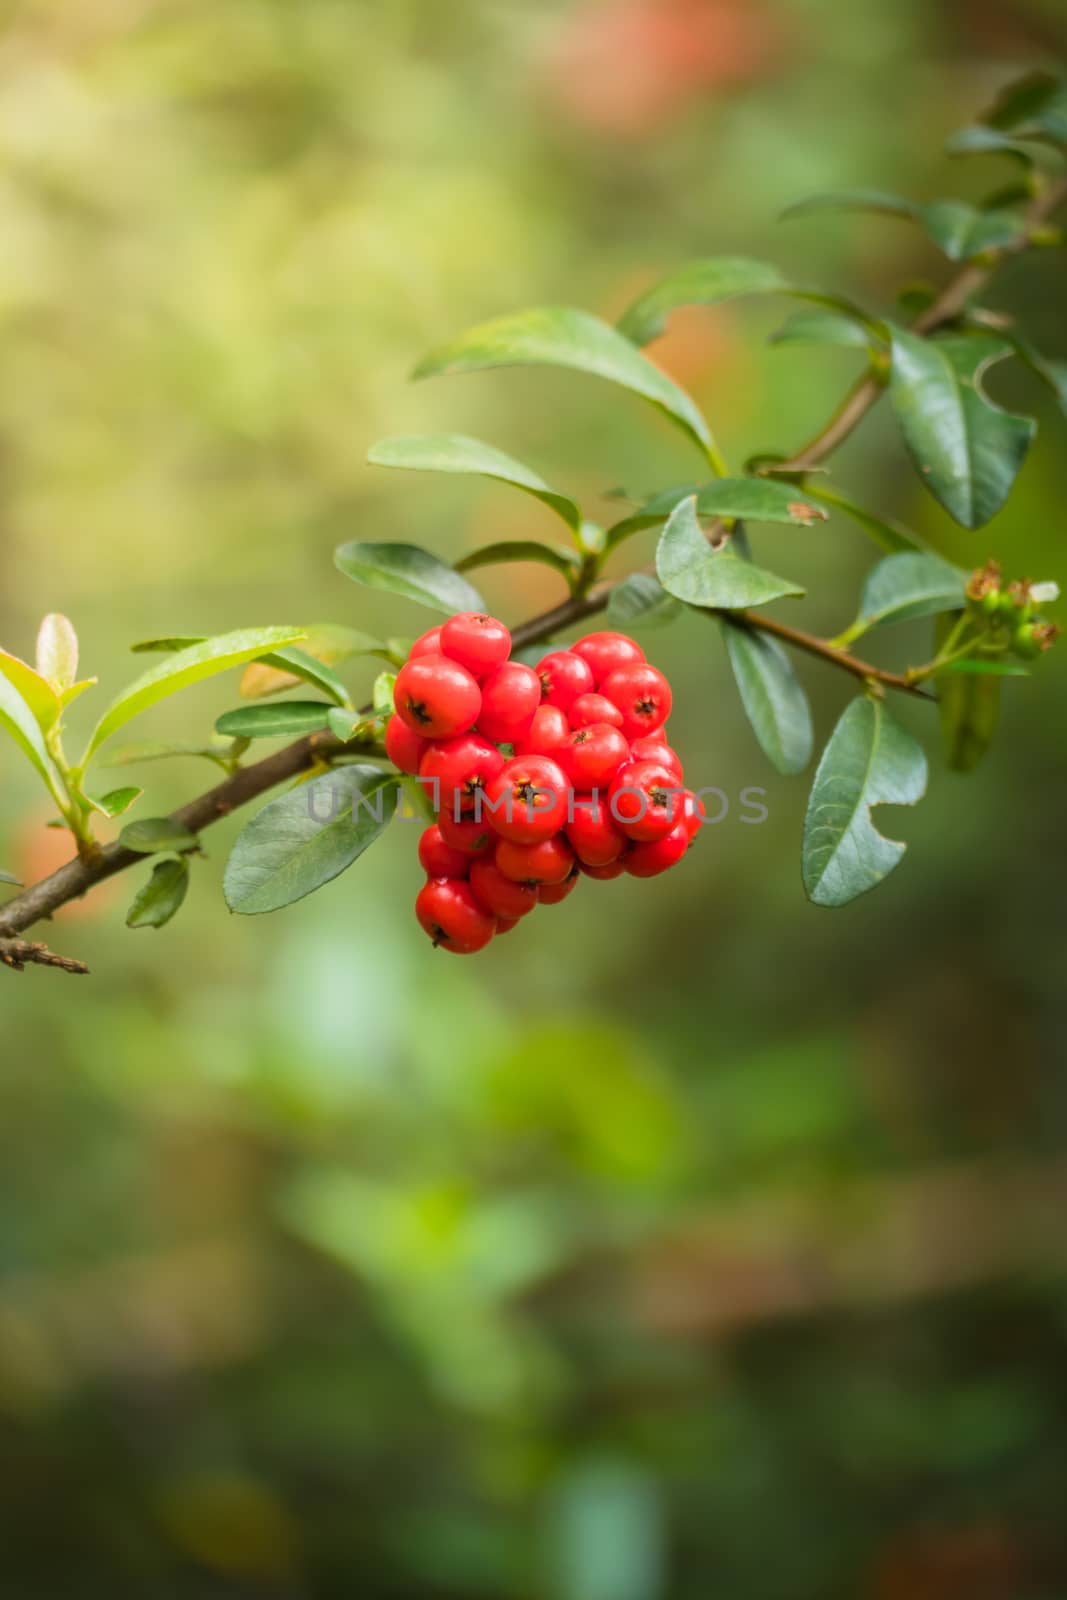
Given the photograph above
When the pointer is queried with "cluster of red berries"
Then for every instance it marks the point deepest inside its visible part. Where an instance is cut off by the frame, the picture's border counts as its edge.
(536, 775)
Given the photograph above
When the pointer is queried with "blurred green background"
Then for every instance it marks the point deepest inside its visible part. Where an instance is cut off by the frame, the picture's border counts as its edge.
(693, 1241)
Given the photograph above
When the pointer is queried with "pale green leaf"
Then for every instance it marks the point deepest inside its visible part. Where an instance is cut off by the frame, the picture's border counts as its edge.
(22, 725)
(407, 570)
(455, 452)
(691, 570)
(115, 802)
(57, 651)
(37, 693)
(157, 833)
(704, 283)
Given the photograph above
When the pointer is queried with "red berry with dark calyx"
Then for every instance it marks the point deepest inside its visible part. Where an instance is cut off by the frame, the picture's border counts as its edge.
(657, 855)
(607, 651)
(550, 861)
(478, 642)
(454, 919)
(645, 800)
(441, 860)
(500, 895)
(654, 747)
(592, 756)
(550, 894)
(527, 801)
(404, 747)
(564, 676)
(610, 869)
(590, 708)
(591, 833)
(454, 771)
(510, 697)
(546, 733)
(436, 697)
(642, 694)
(474, 838)
(427, 644)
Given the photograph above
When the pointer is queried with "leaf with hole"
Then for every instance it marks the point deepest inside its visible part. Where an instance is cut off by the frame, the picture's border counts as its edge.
(455, 452)
(910, 584)
(157, 901)
(407, 570)
(968, 451)
(870, 761)
(305, 838)
(771, 693)
(560, 336)
(691, 570)
(640, 601)
(185, 667)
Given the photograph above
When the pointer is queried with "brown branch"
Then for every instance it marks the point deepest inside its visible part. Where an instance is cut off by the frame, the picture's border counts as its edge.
(77, 877)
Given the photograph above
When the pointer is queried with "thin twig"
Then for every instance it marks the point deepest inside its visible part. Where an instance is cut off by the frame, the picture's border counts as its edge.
(21, 953)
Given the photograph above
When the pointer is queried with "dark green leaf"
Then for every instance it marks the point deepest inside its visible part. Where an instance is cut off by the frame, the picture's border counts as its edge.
(967, 450)
(703, 283)
(691, 570)
(1036, 101)
(407, 570)
(822, 327)
(748, 499)
(771, 693)
(559, 336)
(981, 140)
(454, 452)
(910, 584)
(962, 231)
(160, 898)
(305, 838)
(890, 536)
(566, 562)
(271, 722)
(870, 760)
(296, 663)
(115, 802)
(639, 601)
(157, 833)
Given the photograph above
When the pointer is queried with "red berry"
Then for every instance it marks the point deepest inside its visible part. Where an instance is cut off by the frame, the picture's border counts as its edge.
(547, 732)
(404, 747)
(441, 860)
(654, 747)
(436, 697)
(606, 651)
(642, 694)
(550, 894)
(645, 800)
(564, 676)
(649, 859)
(477, 642)
(505, 924)
(593, 836)
(693, 814)
(592, 756)
(500, 895)
(510, 698)
(453, 771)
(528, 800)
(610, 869)
(590, 708)
(454, 919)
(427, 644)
(549, 861)
(465, 833)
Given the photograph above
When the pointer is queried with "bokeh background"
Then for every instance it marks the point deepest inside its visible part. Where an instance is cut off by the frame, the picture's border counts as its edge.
(693, 1241)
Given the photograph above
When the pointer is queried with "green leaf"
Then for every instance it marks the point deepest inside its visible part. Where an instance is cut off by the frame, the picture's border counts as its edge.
(6, 877)
(892, 205)
(161, 897)
(891, 536)
(822, 327)
(746, 499)
(345, 725)
(407, 570)
(910, 584)
(37, 693)
(967, 450)
(271, 722)
(296, 663)
(22, 725)
(454, 452)
(382, 692)
(115, 802)
(187, 666)
(560, 336)
(328, 644)
(639, 601)
(167, 644)
(771, 693)
(981, 667)
(870, 760)
(968, 708)
(1036, 101)
(962, 231)
(566, 562)
(1051, 372)
(158, 750)
(57, 651)
(305, 838)
(980, 140)
(692, 571)
(157, 833)
(698, 283)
